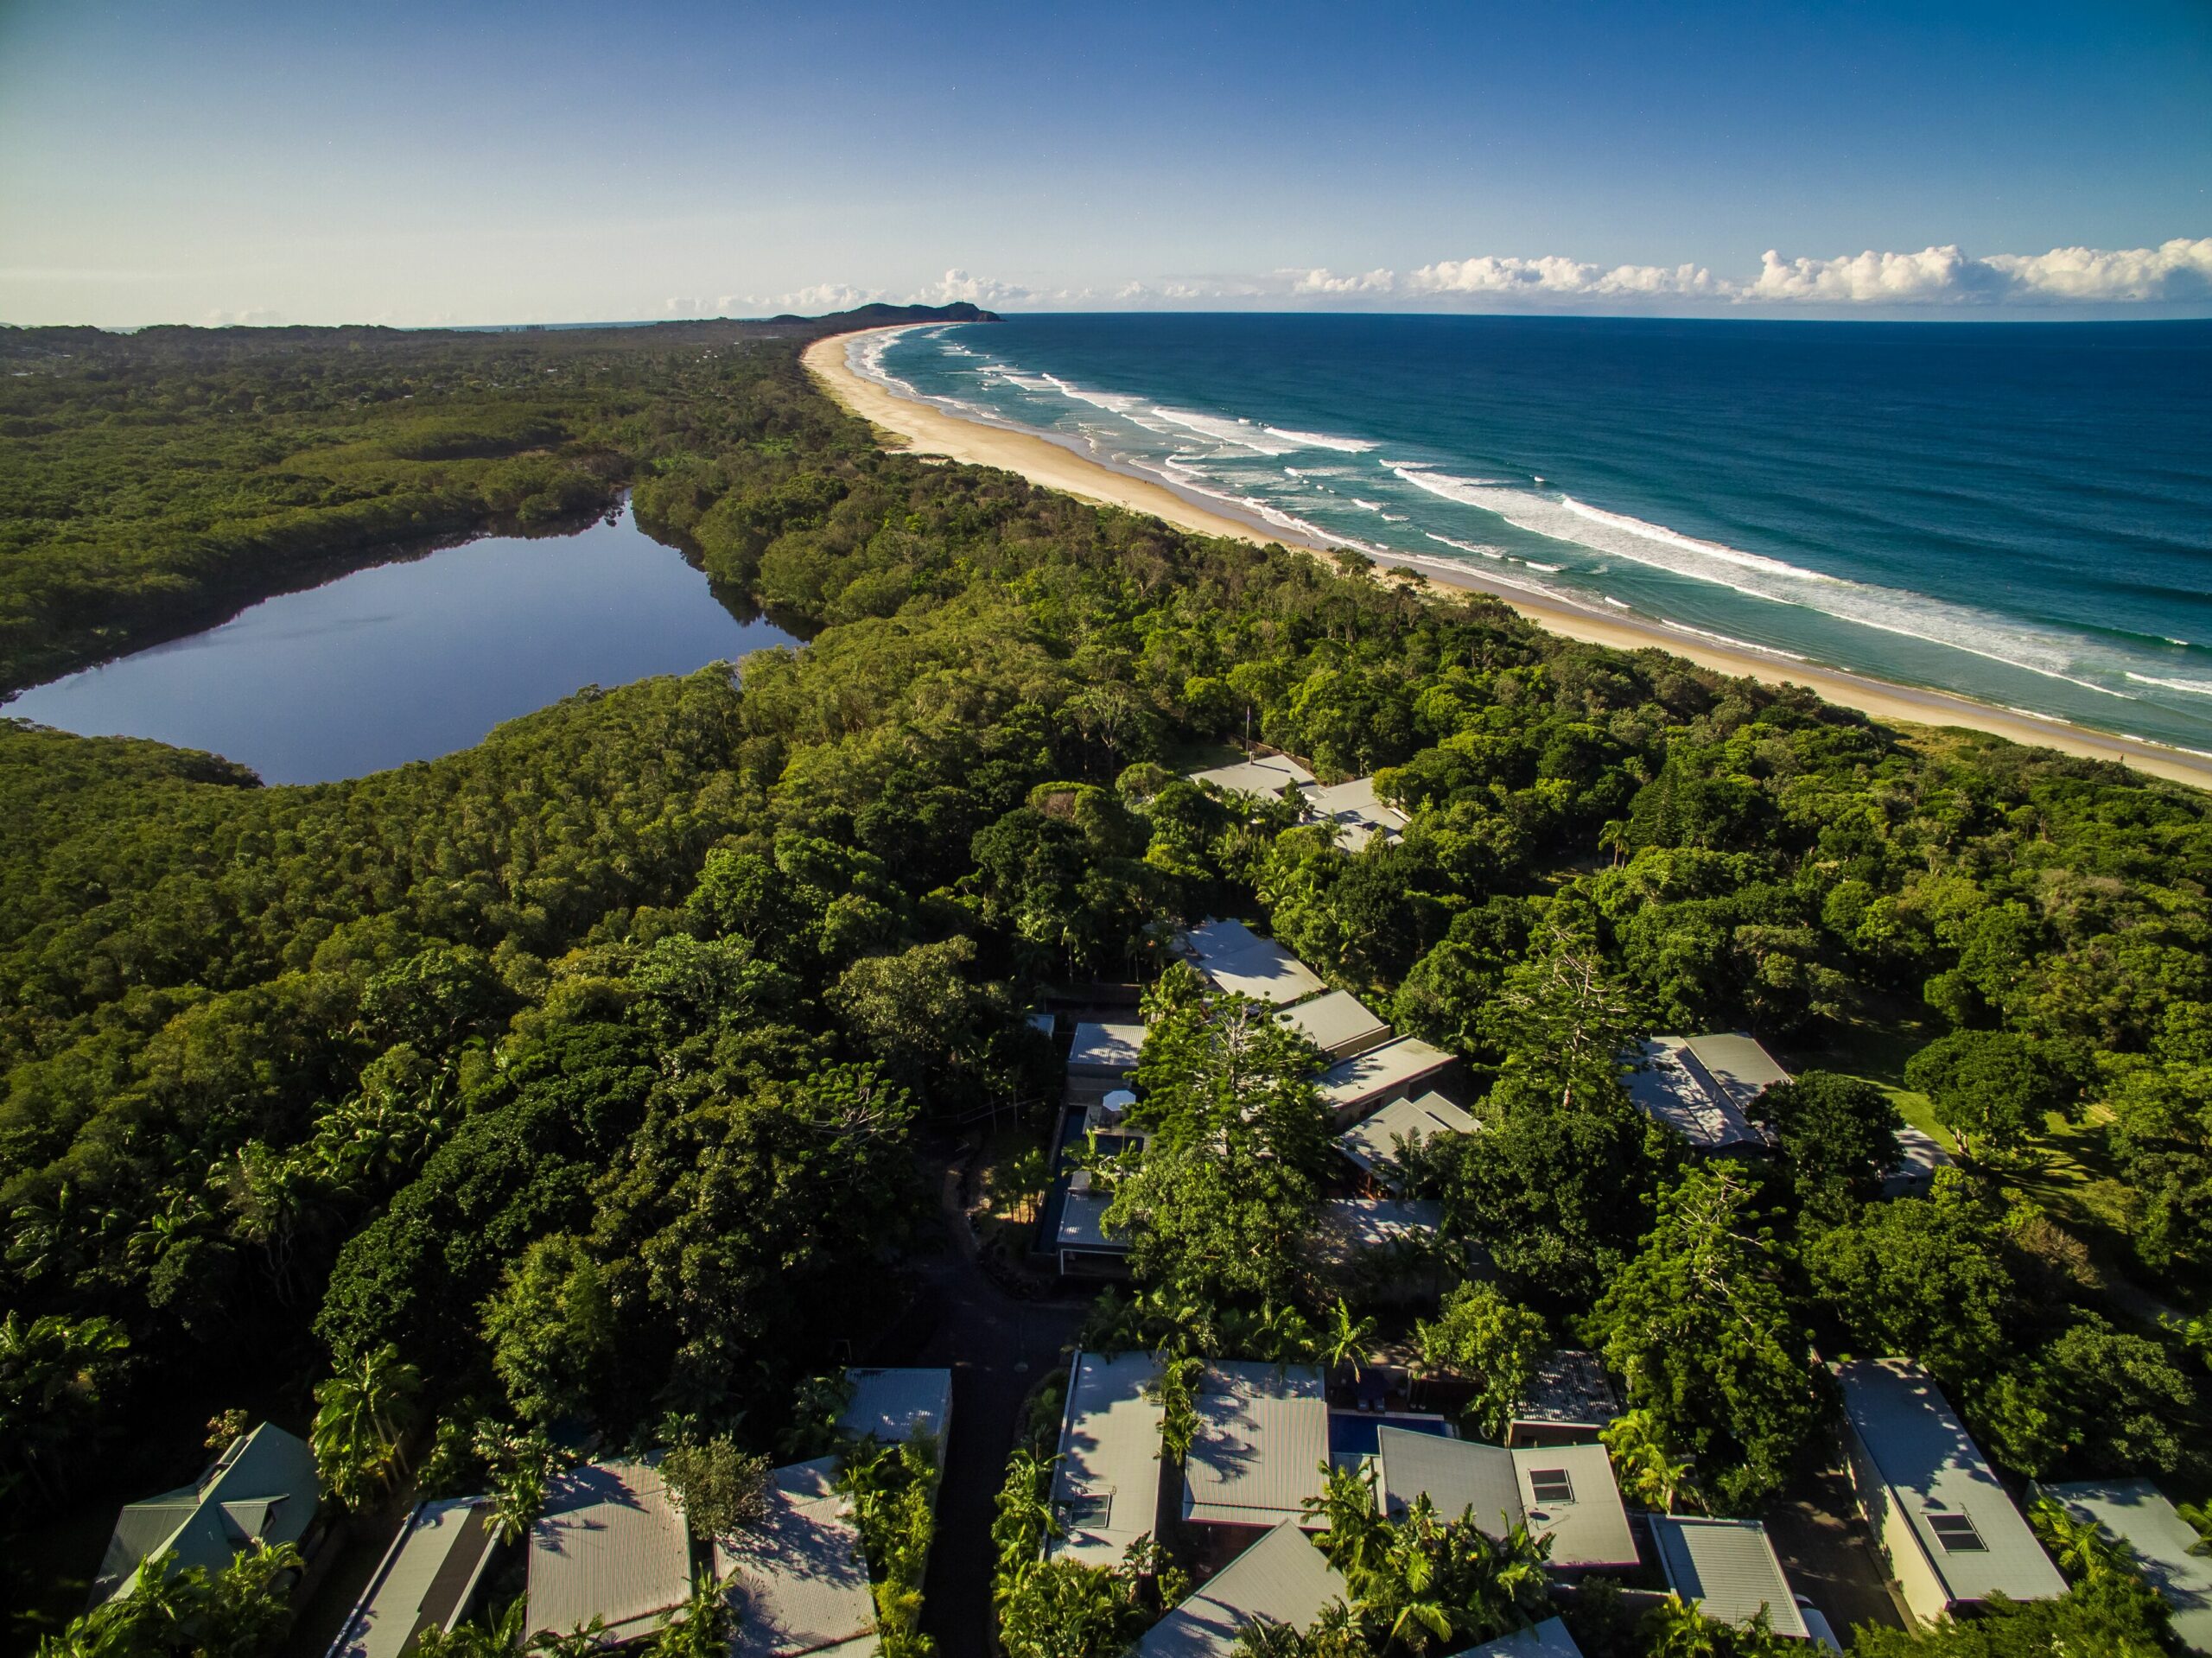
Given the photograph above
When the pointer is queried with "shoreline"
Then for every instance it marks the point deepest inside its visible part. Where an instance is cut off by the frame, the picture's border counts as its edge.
(925, 429)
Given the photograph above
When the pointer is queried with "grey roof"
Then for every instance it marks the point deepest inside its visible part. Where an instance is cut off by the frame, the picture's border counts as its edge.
(1588, 1527)
(1548, 1639)
(1353, 1224)
(1931, 1465)
(611, 1545)
(1283, 1578)
(2138, 1513)
(425, 1581)
(1263, 774)
(1704, 1100)
(1373, 1140)
(798, 1579)
(1217, 937)
(262, 1489)
(1355, 810)
(1262, 1443)
(1108, 1051)
(1919, 1156)
(1736, 1061)
(1339, 1019)
(1263, 970)
(1106, 1486)
(1456, 1475)
(891, 1404)
(1081, 1214)
(1729, 1568)
(1568, 1389)
(1379, 1073)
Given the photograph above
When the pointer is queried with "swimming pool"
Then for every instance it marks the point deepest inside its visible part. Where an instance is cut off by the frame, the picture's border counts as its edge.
(1355, 1433)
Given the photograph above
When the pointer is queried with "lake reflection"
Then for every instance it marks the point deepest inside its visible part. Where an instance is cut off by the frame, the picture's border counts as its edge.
(409, 661)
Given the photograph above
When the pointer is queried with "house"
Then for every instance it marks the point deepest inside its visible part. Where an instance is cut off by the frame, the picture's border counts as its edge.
(1353, 808)
(1104, 1053)
(1350, 1087)
(1215, 937)
(1950, 1531)
(1263, 970)
(1919, 1157)
(1548, 1639)
(428, 1579)
(2137, 1512)
(1282, 1578)
(1262, 1439)
(1080, 1241)
(1727, 1566)
(890, 1406)
(1339, 1024)
(1704, 1088)
(798, 1579)
(611, 1545)
(261, 1491)
(1567, 1492)
(1371, 1145)
(1567, 1400)
(1261, 774)
(1106, 1484)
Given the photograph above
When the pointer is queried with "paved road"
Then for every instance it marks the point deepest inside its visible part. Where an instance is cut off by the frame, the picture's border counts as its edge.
(1830, 1560)
(997, 1348)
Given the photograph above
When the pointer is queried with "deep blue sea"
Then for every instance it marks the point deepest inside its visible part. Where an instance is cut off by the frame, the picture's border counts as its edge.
(2020, 512)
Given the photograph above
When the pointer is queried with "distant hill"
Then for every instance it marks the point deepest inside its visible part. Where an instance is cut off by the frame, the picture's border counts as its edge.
(878, 316)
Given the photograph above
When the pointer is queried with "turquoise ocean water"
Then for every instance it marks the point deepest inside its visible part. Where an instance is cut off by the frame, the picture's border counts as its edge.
(2022, 513)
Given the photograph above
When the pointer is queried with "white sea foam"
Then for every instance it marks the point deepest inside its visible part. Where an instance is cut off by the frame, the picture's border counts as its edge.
(1238, 433)
(1730, 640)
(1548, 569)
(1468, 546)
(1614, 602)
(2194, 687)
(1367, 506)
(1113, 402)
(1393, 517)
(1320, 440)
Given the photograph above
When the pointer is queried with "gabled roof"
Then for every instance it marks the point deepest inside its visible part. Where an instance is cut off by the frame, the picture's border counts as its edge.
(1262, 1443)
(1729, 1568)
(1373, 1140)
(263, 1489)
(1706, 1101)
(798, 1579)
(1339, 1019)
(889, 1405)
(1106, 1486)
(1379, 1073)
(1566, 1492)
(1456, 1476)
(425, 1581)
(1931, 1467)
(1263, 774)
(2138, 1513)
(1548, 1639)
(1282, 1579)
(1106, 1051)
(611, 1545)
(1263, 970)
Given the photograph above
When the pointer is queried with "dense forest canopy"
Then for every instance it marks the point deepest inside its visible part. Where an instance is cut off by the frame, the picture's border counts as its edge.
(533, 1072)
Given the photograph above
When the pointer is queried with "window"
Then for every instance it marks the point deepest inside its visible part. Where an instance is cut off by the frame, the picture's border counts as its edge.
(1550, 1485)
(1086, 1510)
(1956, 1534)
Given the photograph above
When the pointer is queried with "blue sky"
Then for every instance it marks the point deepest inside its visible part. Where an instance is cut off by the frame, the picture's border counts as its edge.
(483, 164)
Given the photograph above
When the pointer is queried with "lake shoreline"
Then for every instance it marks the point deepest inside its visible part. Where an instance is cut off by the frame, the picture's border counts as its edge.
(927, 428)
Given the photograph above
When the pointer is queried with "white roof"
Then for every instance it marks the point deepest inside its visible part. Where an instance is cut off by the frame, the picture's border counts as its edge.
(1586, 1522)
(424, 1582)
(1704, 1102)
(1106, 1486)
(1549, 1639)
(1282, 1579)
(1729, 1568)
(1081, 1213)
(1339, 1019)
(1264, 774)
(1263, 970)
(1217, 936)
(1353, 807)
(1931, 1467)
(1261, 1442)
(1393, 1068)
(798, 1578)
(1105, 1050)
(611, 1545)
(1374, 1140)
(891, 1404)
(2137, 1512)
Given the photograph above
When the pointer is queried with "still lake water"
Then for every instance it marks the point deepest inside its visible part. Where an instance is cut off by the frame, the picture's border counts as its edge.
(412, 660)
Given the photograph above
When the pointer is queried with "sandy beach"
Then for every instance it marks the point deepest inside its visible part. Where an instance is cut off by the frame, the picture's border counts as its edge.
(927, 430)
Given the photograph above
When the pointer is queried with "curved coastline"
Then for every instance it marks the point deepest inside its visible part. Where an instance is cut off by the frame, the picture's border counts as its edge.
(927, 428)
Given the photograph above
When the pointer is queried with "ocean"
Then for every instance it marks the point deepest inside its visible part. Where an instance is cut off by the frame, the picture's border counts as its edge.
(2018, 512)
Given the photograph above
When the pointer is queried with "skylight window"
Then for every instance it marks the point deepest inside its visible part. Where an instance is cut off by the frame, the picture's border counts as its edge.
(1550, 1486)
(1956, 1534)
(1086, 1510)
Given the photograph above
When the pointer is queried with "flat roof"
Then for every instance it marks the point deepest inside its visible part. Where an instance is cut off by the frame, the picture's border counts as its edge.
(1105, 1050)
(1355, 810)
(1263, 970)
(1567, 1492)
(1106, 1486)
(1549, 1639)
(1217, 936)
(1377, 1222)
(798, 1578)
(1263, 774)
(1729, 1568)
(424, 1582)
(2140, 1515)
(1568, 1389)
(1393, 1068)
(890, 1404)
(1283, 1578)
(1336, 1020)
(1373, 1140)
(1736, 1061)
(1931, 1466)
(1261, 1442)
(1671, 1084)
(1081, 1215)
(611, 1545)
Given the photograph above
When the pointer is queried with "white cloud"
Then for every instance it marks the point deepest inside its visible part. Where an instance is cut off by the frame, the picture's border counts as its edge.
(957, 285)
(246, 319)
(2179, 270)
(1554, 278)
(1319, 281)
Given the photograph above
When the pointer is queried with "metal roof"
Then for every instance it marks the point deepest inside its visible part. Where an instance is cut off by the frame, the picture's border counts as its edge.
(797, 1579)
(1931, 1466)
(1589, 1525)
(262, 1489)
(1456, 1476)
(1217, 937)
(611, 1545)
(2139, 1515)
(891, 1404)
(1080, 1215)
(1339, 1019)
(1263, 774)
(1262, 1446)
(1568, 1389)
(1108, 1051)
(1393, 1068)
(1549, 1639)
(1586, 1522)
(1919, 1156)
(1729, 1568)
(1355, 810)
(424, 1582)
(1283, 1578)
(1263, 970)
(1374, 1139)
(1106, 1486)
(1736, 1061)
(1672, 1084)
(1355, 1224)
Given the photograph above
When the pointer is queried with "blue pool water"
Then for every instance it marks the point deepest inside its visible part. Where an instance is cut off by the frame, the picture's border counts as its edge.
(1355, 1433)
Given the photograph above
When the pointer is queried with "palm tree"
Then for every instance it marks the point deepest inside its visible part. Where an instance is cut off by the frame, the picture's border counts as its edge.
(1647, 1471)
(702, 1629)
(1347, 1338)
(1354, 1527)
(1676, 1629)
(2084, 1550)
(51, 1372)
(1176, 1389)
(362, 1412)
